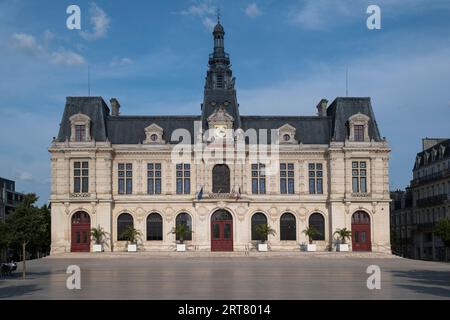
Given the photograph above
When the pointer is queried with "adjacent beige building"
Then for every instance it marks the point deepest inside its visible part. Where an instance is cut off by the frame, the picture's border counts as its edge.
(219, 173)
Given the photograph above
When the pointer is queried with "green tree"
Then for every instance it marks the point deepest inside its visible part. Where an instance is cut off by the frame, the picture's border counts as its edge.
(311, 233)
(343, 234)
(131, 234)
(264, 230)
(181, 231)
(27, 226)
(442, 230)
(4, 240)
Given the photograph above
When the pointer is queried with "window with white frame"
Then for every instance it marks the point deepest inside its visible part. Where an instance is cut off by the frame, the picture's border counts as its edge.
(81, 177)
(315, 178)
(258, 178)
(359, 176)
(154, 178)
(287, 178)
(125, 174)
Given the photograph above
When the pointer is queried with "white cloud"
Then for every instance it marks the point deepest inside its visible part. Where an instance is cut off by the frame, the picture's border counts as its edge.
(25, 176)
(203, 10)
(29, 44)
(117, 62)
(66, 57)
(25, 41)
(200, 9)
(100, 24)
(252, 10)
(324, 14)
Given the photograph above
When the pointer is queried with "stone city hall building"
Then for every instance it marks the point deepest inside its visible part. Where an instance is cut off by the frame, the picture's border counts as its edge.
(114, 171)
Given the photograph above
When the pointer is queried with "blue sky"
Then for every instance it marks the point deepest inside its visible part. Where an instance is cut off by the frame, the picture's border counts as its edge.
(286, 55)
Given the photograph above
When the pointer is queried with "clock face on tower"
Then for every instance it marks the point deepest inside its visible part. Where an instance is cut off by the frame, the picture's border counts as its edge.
(220, 131)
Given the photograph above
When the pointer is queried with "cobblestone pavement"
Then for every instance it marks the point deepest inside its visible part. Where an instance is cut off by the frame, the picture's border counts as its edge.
(198, 275)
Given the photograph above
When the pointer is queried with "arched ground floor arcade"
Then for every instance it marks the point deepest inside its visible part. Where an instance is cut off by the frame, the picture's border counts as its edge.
(220, 226)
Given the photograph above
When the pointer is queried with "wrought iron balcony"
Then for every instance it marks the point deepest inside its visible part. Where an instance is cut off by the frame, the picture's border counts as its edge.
(431, 177)
(432, 201)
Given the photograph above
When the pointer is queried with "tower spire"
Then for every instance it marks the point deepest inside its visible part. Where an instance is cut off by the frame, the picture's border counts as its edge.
(218, 15)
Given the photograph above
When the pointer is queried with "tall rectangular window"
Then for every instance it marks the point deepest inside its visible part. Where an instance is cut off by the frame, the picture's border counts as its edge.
(258, 178)
(359, 176)
(125, 178)
(183, 178)
(154, 178)
(359, 132)
(287, 178)
(80, 133)
(315, 178)
(81, 177)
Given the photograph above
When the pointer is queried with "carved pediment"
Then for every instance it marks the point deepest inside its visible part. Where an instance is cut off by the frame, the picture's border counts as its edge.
(79, 118)
(287, 134)
(359, 118)
(220, 116)
(154, 134)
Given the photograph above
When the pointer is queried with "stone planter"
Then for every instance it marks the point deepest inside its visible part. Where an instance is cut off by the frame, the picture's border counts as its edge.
(311, 248)
(342, 247)
(132, 248)
(97, 248)
(181, 247)
(262, 247)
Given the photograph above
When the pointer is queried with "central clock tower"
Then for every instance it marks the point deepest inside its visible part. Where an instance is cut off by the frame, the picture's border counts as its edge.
(220, 92)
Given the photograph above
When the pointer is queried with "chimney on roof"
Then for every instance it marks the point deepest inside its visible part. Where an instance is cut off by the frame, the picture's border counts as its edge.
(115, 107)
(322, 108)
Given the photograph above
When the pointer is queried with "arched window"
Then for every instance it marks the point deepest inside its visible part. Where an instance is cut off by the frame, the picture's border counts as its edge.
(317, 221)
(154, 227)
(257, 219)
(360, 217)
(184, 218)
(123, 221)
(288, 229)
(81, 217)
(221, 179)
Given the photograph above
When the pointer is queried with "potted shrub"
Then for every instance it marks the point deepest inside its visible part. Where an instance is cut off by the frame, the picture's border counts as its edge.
(97, 235)
(131, 235)
(311, 233)
(181, 231)
(343, 235)
(264, 230)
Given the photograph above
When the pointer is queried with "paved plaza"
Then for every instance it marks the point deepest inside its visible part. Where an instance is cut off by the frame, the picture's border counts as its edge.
(184, 276)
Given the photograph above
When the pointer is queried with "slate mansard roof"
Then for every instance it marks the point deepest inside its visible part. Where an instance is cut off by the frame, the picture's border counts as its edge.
(131, 129)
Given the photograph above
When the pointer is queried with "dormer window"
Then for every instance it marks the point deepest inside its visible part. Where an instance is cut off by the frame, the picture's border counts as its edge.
(359, 133)
(80, 133)
(359, 128)
(154, 134)
(286, 134)
(80, 128)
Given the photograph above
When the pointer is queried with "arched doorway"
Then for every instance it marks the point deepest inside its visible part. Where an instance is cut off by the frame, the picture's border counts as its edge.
(80, 232)
(221, 179)
(361, 237)
(222, 231)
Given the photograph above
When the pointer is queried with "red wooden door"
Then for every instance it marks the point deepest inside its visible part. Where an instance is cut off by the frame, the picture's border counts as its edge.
(361, 236)
(222, 232)
(81, 232)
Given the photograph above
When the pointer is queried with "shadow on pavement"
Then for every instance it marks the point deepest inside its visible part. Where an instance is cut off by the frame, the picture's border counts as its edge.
(435, 283)
(17, 291)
